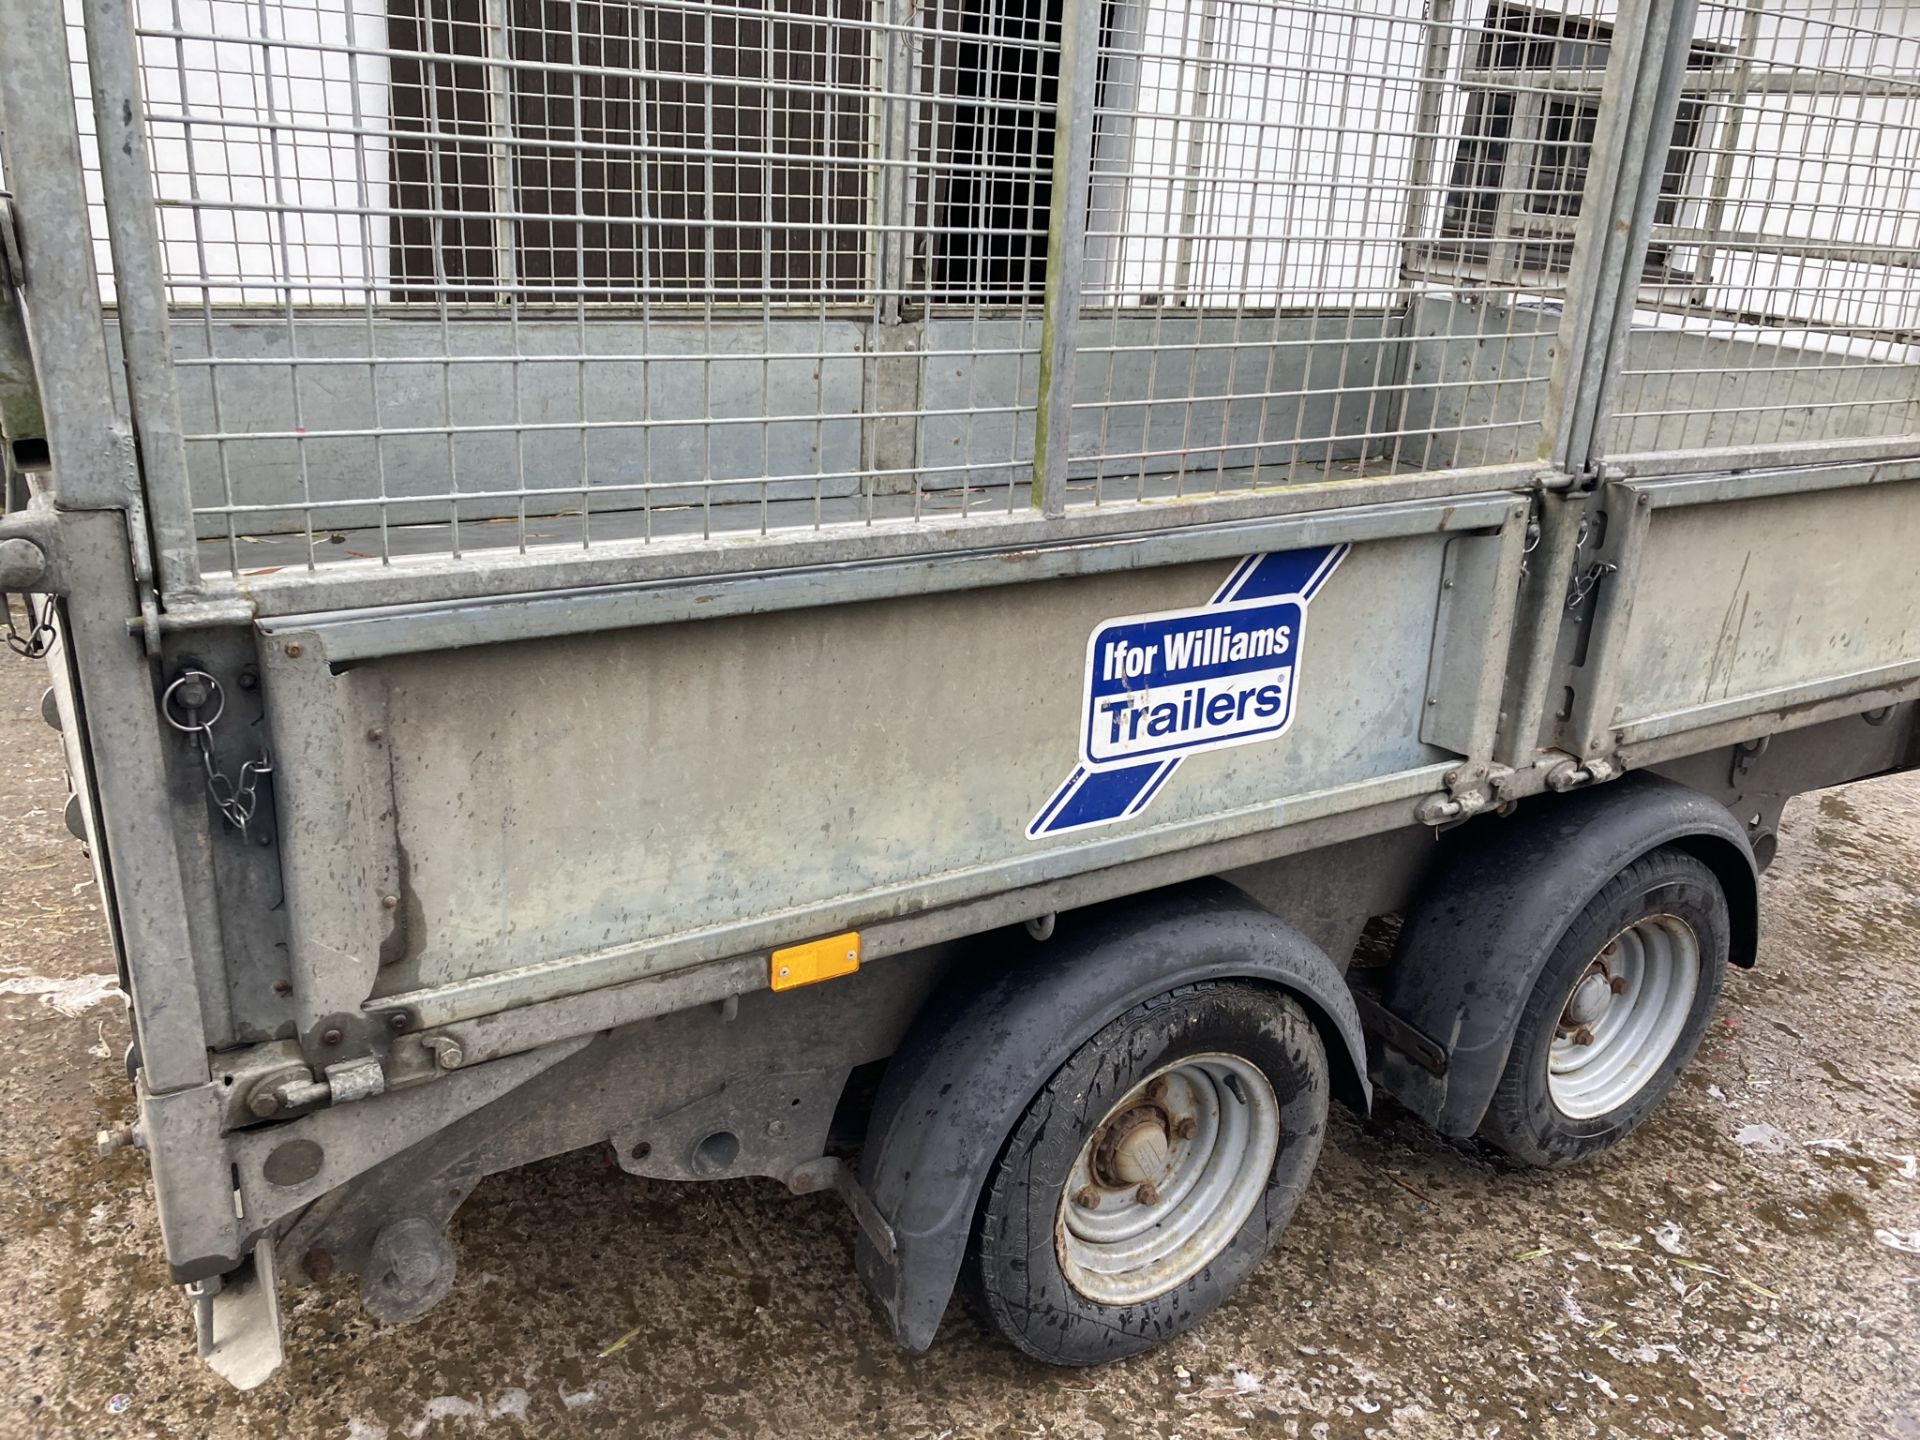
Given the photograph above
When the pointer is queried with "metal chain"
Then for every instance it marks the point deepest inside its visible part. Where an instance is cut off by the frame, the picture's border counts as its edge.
(191, 693)
(1584, 582)
(38, 641)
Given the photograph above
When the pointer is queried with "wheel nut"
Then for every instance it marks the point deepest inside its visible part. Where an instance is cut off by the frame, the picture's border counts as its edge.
(1187, 1127)
(1583, 1036)
(1088, 1198)
(1618, 984)
(1148, 1193)
(1158, 1089)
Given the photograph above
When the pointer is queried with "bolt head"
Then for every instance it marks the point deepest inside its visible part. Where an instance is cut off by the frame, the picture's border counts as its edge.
(283, 987)
(1148, 1193)
(293, 651)
(318, 1266)
(451, 1056)
(1187, 1127)
(777, 1129)
(397, 1022)
(1158, 1089)
(1087, 1198)
(263, 1102)
(1618, 984)
(332, 1037)
(1583, 1036)
(389, 902)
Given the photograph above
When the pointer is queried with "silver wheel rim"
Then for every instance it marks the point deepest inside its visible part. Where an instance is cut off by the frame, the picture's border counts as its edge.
(1623, 1016)
(1167, 1179)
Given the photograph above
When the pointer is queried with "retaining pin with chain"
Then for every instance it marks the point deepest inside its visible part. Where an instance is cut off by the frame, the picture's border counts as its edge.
(190, 694)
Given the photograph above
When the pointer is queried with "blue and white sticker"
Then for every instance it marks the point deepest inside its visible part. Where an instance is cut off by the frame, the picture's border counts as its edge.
(1164, 686)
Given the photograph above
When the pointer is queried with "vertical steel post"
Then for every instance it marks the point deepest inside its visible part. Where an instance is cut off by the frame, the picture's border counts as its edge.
(91, 449)
(1726, 151)
(105, 569)
(1639, 104)
(892, 201)
(500, 151)
(140, 291)
(891, 368)
(1426, 125)
(1420, 185)
(1066, 252)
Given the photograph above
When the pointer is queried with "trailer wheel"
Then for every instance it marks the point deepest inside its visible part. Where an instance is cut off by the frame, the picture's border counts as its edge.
(1616, 1014)
(1152, 1173)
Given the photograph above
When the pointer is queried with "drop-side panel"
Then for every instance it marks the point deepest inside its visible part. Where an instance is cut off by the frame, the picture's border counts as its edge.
(1754, 595)
(509, 822)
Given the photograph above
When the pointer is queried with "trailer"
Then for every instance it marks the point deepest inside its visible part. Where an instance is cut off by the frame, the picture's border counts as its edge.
(983, 605)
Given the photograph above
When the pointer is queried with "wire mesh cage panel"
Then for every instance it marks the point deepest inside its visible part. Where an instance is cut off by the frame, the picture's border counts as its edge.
(1338, 237)
(447, 276)
(1781, 297)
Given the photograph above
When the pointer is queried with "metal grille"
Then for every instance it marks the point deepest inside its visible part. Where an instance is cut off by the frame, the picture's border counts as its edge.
(1786, 308)
(1335, 238)
(449, 276)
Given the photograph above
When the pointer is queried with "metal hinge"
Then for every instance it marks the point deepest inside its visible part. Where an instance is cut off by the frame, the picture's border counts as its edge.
(1470, 790)
(290, 1089)
(1575, 774)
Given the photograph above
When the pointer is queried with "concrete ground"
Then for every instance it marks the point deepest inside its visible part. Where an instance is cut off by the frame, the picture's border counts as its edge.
(1744, 1266)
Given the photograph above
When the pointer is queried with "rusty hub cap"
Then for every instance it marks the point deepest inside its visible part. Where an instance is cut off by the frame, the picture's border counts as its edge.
(1623, 1016)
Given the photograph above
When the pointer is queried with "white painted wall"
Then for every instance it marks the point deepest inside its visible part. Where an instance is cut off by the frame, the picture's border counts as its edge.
(264, 192)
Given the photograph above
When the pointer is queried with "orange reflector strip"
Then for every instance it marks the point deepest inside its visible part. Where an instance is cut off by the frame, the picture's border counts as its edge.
(816, 960)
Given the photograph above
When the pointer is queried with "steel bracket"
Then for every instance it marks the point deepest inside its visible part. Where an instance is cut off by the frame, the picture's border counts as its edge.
(829, 1173)
(192, 1183)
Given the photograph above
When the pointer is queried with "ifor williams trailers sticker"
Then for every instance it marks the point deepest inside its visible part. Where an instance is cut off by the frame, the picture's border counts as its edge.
(1164, 686)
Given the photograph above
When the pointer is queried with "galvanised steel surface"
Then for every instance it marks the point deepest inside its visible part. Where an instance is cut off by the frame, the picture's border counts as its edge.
(655, 483)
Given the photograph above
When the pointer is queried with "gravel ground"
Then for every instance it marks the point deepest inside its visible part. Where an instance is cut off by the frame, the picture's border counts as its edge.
(1743, 1266)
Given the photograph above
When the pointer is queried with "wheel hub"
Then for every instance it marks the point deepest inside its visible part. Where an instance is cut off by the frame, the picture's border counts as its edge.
(1167, 1179)
(1589, 1001)
(1623, 1016)
(1135, 1147)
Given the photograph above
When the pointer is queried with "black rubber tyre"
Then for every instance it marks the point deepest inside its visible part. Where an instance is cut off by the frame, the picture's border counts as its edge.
(1523, 1119)
(1014, 1262)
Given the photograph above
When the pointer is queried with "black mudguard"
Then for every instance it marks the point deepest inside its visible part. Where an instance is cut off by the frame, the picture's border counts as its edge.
(1496, 905)
(991, 1036)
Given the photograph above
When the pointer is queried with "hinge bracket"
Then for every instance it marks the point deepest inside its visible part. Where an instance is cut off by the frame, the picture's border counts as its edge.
(1470, 790)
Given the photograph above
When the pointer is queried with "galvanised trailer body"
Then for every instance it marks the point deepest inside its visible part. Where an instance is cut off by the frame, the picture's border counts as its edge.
(558, 527)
